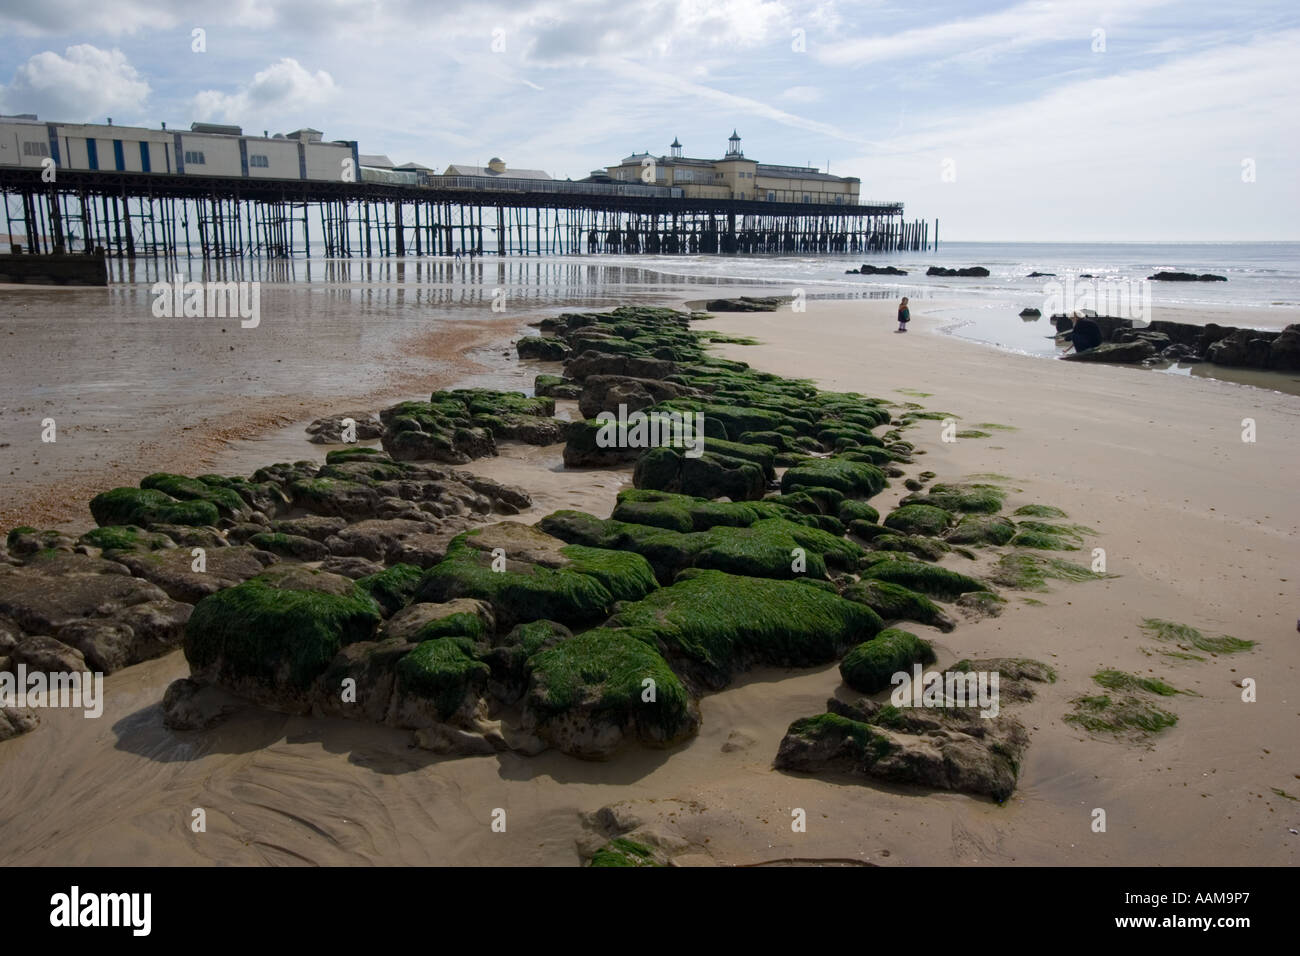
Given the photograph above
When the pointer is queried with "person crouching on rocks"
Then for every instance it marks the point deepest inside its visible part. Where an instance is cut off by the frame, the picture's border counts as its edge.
(904, 315)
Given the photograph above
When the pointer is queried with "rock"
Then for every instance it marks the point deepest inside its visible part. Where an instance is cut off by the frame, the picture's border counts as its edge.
(1122, 353)
(375, 539)
(106, 646)
(870, 666)
(585, 697)
(24, 542)
(1284, 354)
(1040, 275)
(270, 644)
(42, 603)
(1030, 313)
(744, 303)
(189, 705)
(870, 270)
(934, 748)
(1185, 277)
(15, 721)
(977, 272)
(542, 348)
(350, 567)
(173, 571)
(47, 655)
(336, 497)
(290, 546)
(424, 621)
(329, 431)
(553, 386)
(540, 576)
(605, 393)
(601, 363)
(316, 527)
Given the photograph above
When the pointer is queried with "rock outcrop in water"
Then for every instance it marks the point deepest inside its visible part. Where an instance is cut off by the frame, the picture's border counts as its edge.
(970, 272)
(1186, 277)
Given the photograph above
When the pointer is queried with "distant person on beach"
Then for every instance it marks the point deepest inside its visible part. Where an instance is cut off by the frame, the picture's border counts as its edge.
(904, 315)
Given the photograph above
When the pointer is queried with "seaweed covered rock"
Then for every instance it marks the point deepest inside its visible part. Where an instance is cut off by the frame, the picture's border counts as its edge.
(976, 498)
(769, 547)
(980, 529)
(269, 643)
(925, 578)
(870, 666)
(526, 574)
(113, 539)
(590, 694)
(919, 519)
(707, 476)
(712, 625)
(542, 347)
(440, 680)
(676, 512)
(893, 602)
(145, 507)
(854, 479)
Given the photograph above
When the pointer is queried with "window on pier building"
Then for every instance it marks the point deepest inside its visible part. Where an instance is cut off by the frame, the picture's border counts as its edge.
(194, 157)
(771, 196)
(807, 198)
(36, 149)
(258, 160)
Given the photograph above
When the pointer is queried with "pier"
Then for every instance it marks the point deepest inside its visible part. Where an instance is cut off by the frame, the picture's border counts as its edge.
(132, 215)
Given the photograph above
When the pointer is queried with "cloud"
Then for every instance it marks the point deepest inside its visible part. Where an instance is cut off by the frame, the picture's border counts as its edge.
(84, 84)
(986, 37)
(283, 88)
(801, 94)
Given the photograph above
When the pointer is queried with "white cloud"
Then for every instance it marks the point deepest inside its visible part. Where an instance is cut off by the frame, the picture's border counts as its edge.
(283, 88)
(85, 83)
(801, 94)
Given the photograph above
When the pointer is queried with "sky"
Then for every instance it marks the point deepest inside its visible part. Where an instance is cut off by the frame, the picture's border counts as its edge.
(1049, 120)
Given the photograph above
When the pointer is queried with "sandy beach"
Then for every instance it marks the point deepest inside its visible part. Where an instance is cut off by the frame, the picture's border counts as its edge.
(1197, 526)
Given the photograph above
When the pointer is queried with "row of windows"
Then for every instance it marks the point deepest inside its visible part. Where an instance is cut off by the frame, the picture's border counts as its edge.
(258, 161)
(194, 157)
(36, 149)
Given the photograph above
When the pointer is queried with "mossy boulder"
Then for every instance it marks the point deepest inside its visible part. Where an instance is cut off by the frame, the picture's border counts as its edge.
(919, 519)
(855, 479)
(147, 506)
(393, 588)
(870, 666)
(979, 498)
(114, 538)
(227, 501)
(707, 476)
(590, 694)
(444, 672)
(675, 512)
(982, 529)
(893, 602)
(925, 578)
(715, 624)
(851, 511)
(290, 546)
(539, 576)
(273, 642)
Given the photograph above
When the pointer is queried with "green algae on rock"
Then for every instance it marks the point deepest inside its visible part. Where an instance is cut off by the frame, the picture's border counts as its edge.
(870, 666)
(715, 624)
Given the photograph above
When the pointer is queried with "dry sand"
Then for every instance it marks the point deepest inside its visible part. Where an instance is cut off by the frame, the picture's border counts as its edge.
(1198, 526)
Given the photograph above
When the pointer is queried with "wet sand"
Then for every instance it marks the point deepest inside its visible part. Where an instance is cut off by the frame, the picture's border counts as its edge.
(1199, 527)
